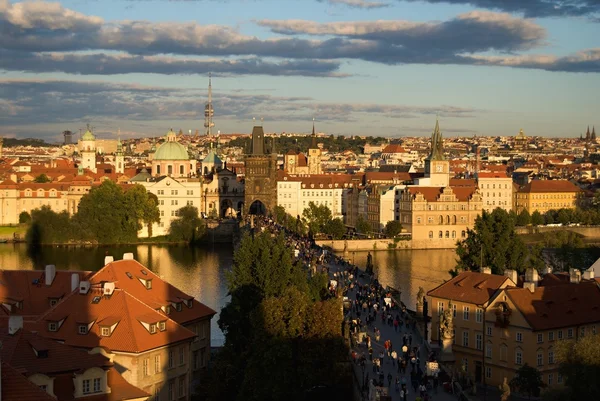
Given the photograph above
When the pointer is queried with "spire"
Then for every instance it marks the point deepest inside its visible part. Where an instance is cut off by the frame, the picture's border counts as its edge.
(313, 139)
(437, 143)
(593, 133)
(119, 144)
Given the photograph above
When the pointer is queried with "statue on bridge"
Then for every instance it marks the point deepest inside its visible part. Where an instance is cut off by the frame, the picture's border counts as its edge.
(446, 323)
(369, 268)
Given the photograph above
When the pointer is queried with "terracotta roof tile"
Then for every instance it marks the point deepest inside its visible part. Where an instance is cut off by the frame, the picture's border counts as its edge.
(470, 287)
(550, 186)
(393, 148)
(16, 387)
(121, 390)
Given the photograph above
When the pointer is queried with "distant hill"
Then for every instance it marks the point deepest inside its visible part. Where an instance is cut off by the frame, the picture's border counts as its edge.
(12, 142)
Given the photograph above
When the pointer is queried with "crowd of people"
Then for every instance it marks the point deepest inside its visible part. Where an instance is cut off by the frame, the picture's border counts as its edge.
(384, 349)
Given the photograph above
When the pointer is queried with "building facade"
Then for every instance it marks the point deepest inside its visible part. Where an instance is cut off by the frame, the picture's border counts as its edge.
(544, 195)
(260, 192)
(496, 191)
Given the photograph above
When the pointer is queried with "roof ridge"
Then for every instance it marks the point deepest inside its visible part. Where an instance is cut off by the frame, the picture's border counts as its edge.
(128, 315)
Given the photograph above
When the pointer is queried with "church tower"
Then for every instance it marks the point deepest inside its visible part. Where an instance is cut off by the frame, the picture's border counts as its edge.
(119, 158)
(87, 148)
(437, 168)
(314, 154)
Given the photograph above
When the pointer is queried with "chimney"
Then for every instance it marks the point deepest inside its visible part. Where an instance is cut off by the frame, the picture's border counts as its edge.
(530, 286)
(588, 274)
(531, 276)
(108, 259)
(74, 281)
(84, 287)
(486, 270)
(15, 323)
(128, 256)
(109, 288)
(547, 270)
(50, 274)
(512, 274)
(574, 276)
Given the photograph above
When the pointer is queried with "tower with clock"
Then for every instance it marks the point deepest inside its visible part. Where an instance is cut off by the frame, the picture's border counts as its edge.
(437, 168)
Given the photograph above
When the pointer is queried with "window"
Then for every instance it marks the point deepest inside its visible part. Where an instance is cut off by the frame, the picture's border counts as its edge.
(157, 367)
(583, 332)
(52, 326)
(181, 169)
(171, 391)
(190, 203)
(488, 372)
(540, 338)
(466, 364)
(105, 331)
(551, 357)
(171, 359)
(97, 385)
(488, 331)
(479, 341)
(430, 234)
(465, 338)
(518, 357)
(519, 337)
(463, 233)
(83, 329)
(195, 362)
(53, 301)
(169, 169)
(465, 312)
(479, 315)
(488, 351)
(594, 330)
(203, 356)
(181, 356)
(570, 333)
(149, 284)
(181, 386)
(503, 352)
(560, 334)
(441, 234)
(550, 378)
(551, 336)
(453, 310)
(152, 328)
(162, 326)
(85, 388)
(559, 378)
(540, 358)
(440, 307)
(447, 234)
(145, 367)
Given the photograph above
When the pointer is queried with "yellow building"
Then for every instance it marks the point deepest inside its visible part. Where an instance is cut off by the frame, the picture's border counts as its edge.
(544, 195)
(499, 326)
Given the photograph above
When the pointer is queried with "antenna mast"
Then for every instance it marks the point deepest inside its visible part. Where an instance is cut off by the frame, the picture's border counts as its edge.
(209, 112)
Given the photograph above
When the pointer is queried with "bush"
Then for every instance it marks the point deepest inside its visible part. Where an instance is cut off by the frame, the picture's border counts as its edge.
(24, 218)
(393, 228)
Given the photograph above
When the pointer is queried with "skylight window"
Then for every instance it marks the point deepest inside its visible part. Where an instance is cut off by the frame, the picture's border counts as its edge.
(144, 272)
(129, 275)
(96, 300)
(52, 326)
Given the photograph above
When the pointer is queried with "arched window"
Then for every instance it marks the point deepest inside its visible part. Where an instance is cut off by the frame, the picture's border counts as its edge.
(453, 234)
(447, 234)
(441, 234)
(441, 219)
(430, 234)
(181, 169)
(454, 219)
(158, 169)
(418, 220)
(448, 220)
(463, 234)
(169, 169)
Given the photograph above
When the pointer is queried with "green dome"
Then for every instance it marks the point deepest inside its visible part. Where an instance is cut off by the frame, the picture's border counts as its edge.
(212, 158)
(88, 136)
(171, 150)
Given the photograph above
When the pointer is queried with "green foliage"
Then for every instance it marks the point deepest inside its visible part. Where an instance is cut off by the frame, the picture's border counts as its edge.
(565, 250)
(492, 243)
(42, 178)
(35, 142)
(316, 217)
(362, 225)
(579, 363)
(24, 217)
(528, 380)
(280, 214)
(336, 228)
(48, 227)
(213, 214)
(537, 219)
(188, 226)
(393, 228)
(523, 218)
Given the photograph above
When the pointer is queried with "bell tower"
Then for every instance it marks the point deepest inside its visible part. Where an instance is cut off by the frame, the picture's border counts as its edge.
(119, 158)
(437, 168)
(314, 154)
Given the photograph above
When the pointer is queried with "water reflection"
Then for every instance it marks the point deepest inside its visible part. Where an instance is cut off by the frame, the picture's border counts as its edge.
(408, 270)
(196, 271)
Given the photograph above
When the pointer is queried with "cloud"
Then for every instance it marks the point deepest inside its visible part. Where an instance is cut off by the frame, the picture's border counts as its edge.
(363, 4)
(531, 8)
(28, 102)
(107, 64)
(583, 61)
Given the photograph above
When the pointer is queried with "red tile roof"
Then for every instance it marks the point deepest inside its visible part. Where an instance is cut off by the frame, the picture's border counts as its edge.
(393, 148)
(550, 186)
(16, 387)
(470, 287)
(558, 306)
(486, 174)
(161, 294)
(432, 194)
(121, 390)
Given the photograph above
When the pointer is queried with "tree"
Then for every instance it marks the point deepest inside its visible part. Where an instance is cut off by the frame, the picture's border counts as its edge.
(563, 217)
(24, 217)
(528, 380)
(537, 219)
(48, 227)
(144, 205)
(316, 217)
(393, 228)
(188, 226)
(42, 178)
(523, 218)
(492, 243)
(213, 214)
(280, 214)
(579, 363)
(336, 228)
(362, 225)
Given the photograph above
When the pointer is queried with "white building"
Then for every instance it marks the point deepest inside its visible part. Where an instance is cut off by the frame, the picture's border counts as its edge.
(87, 149)
(496, 189)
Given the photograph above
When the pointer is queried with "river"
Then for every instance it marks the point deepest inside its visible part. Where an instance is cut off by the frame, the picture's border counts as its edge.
(200, 272)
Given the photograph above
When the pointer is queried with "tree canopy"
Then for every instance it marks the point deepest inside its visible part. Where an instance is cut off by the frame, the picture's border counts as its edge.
(528, 381)
(316, 217)
(393, 228)
(362, 225)
(42, 178)
(188, 226)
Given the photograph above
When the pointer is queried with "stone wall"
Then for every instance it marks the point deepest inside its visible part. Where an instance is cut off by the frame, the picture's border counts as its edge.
(363, 245)
(587, 231)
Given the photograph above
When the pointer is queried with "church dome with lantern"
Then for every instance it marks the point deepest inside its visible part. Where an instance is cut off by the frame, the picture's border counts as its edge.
(171, 158)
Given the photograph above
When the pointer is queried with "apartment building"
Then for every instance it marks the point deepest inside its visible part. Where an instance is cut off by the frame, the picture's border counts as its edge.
(544, 195)
(500, 326)
(496, 190)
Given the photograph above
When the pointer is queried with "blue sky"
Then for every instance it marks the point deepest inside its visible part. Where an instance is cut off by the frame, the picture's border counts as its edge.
(370, 67)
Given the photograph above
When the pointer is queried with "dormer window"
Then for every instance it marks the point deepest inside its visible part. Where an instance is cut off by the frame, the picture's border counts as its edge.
(168, 309)
(152, 329)
(190, 303)
(162, 326)
(53, 326)
(43, 353)
(105, 331)
(149, 284)
(82, 329)
(178, 306)
(53, 301)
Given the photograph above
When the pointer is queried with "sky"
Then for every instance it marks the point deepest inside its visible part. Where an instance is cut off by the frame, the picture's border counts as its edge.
(357, 67)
